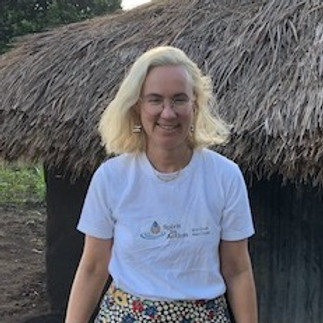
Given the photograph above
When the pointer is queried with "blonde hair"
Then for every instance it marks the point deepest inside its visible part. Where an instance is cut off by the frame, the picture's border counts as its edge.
(118, 119)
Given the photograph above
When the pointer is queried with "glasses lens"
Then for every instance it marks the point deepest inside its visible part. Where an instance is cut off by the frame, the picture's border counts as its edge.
(157, 103)
(181, 102)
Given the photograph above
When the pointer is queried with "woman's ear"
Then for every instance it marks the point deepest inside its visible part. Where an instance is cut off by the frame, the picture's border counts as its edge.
(195, 108)
(136, 112)
(194, 105)
(136, 108)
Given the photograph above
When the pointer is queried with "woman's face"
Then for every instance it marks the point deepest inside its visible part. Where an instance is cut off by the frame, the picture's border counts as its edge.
(166, 107)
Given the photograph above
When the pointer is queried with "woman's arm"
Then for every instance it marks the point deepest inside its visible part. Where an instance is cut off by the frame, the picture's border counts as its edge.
(237, 272)
(89, 281)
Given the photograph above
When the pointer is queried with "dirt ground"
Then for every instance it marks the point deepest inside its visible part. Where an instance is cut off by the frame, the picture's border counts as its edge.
(22, 262)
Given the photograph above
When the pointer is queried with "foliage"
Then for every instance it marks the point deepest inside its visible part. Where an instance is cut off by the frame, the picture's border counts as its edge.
(21, 184)
(20, 17)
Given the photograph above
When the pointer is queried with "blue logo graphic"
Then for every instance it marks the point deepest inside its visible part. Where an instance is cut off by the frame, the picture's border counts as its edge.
(154, 232)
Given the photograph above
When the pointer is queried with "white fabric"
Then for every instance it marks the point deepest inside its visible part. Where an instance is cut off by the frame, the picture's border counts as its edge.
(166, 234)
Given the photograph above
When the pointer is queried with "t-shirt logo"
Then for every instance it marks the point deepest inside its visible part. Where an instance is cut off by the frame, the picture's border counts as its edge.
(154, 232)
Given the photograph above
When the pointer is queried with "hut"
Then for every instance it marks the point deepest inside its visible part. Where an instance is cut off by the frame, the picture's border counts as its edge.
(266, 60)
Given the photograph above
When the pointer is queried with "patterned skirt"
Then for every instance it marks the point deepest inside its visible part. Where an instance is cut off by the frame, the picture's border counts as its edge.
(121, 307)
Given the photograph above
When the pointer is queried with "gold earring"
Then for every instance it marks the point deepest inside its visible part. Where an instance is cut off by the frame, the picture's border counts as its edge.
(136, 128)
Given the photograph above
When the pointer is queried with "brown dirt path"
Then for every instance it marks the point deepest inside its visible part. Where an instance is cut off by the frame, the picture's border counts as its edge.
(22, 262)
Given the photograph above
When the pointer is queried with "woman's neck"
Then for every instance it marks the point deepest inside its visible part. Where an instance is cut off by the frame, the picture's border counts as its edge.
(171, 160)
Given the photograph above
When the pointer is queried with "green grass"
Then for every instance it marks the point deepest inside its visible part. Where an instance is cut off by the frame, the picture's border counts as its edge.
(21, 184)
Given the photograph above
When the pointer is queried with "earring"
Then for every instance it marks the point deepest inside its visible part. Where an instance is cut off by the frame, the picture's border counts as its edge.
(136, 128)
(192, 128)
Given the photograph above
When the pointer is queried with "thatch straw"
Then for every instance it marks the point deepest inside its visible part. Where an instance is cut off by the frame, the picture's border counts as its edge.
(265, 57)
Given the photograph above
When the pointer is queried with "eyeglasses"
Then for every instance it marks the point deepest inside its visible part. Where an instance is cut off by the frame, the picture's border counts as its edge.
(156, 103)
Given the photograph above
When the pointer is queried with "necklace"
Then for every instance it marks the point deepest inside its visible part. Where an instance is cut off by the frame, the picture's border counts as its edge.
(167, 177)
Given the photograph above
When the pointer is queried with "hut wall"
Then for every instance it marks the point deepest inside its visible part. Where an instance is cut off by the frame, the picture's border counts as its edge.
(64, 243)
(287, 251)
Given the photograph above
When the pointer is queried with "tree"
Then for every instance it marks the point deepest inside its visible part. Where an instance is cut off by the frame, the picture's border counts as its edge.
(20, 17)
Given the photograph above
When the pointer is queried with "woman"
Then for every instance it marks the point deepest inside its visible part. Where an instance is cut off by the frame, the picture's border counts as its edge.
(168, 219)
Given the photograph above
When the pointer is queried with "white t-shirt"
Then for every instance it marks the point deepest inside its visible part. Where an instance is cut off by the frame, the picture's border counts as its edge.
(166, 234)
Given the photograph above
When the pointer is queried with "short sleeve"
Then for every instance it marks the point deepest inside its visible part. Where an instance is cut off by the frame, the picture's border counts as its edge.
(236, 221)
(96, 217)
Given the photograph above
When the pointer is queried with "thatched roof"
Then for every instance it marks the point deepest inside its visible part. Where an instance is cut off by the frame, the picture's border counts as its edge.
(265, 57)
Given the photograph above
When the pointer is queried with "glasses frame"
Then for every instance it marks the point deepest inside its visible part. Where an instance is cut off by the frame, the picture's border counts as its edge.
(159, 107)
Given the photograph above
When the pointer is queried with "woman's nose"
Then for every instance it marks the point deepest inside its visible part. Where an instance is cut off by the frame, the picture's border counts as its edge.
(168, 111)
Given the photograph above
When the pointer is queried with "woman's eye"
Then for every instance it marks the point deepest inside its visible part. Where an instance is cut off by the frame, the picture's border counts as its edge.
(180, 101)
(155, 101)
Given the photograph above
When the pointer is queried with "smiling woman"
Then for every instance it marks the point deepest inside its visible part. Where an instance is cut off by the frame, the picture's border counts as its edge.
(170, 256)
(129, 4)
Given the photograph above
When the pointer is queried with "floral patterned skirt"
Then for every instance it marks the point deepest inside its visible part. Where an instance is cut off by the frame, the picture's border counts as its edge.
(121, 307)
